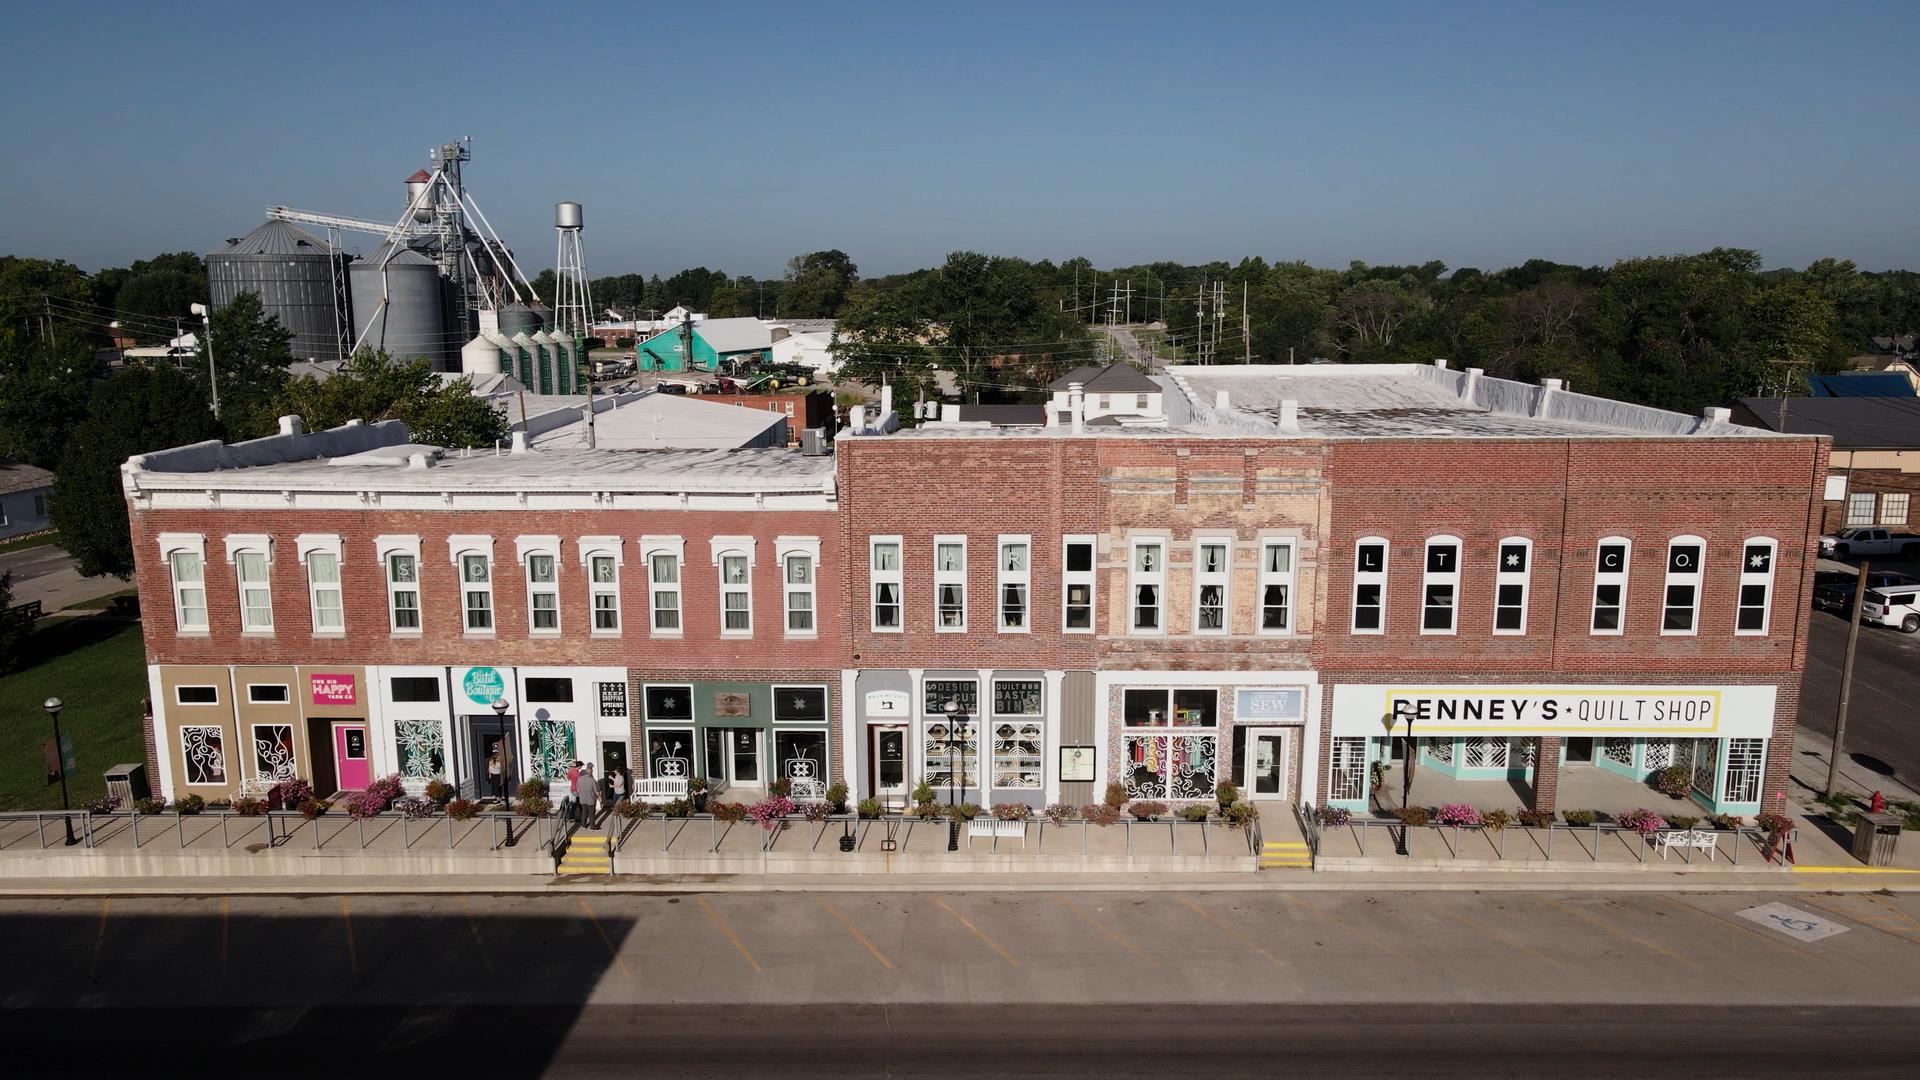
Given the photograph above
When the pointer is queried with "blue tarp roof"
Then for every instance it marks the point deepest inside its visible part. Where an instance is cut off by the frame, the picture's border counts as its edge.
(1875, 385)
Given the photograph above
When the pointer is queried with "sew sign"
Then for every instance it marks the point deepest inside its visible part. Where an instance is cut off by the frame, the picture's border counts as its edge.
(333, 690)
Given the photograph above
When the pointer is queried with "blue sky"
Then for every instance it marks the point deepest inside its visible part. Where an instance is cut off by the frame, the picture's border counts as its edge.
(736, 135)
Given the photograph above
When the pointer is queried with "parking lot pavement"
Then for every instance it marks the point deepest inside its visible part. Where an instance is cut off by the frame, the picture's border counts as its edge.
(1883, 717)
(803, 948)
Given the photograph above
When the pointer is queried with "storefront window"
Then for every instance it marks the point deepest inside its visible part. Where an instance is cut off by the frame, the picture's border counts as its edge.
(553, 749)
(800, 755)
(952, 753)
(420, 748)
(670, 752)
(1017, 697)
(273, 751)
(1745, 761)
(940, 691)
(205, 754)
(1170, 766)
(1016, 754)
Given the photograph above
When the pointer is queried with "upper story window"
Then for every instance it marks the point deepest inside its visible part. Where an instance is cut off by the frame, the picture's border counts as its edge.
(400, 559)
(1510, 585)
(1893, 508)
(1370, 585)
(252, 559)
(1440, 586)
(473, 561)
(1149, 587)
(1610, 566)
(321, 554)
(601, 557)
(950, 583)
(1077, 584)
(1016, 578)
(1212, 581)
(664, 557)
(884, 578)
(733, 556)
(1756, 587)
(1860, 508)
(1681, 610)
(1276, 587)
(799, 558)
(186, 558)
(541, 556)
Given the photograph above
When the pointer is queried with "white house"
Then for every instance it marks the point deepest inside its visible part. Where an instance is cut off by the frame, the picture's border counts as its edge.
(809, 349)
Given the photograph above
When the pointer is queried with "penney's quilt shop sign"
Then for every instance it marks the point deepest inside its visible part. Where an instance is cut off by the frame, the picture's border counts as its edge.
(1686, 711)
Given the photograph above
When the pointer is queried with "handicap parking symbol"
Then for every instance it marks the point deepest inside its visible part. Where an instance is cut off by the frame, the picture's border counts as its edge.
(1794, 922)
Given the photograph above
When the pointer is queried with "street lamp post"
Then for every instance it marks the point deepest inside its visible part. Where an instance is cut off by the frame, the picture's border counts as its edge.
(499, 706)
(52, 706)
(213, 381)
(952, 709)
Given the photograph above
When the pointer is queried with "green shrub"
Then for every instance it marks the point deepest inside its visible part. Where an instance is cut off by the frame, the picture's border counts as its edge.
(1226, 793)
(837, 795)
(1495, 820)
(250, 807)
(1579, 817)
(1535, 819)
(531, 789)
(678, 808)
(928, 810)
(922, 792)
(189, 804)
(869, 808)
(1682, 821)
(965, 811)
(1116, 794)
(1413, 815)
(1674, 781)
(463, 809)
(1144, 809)
(1729, 821)
(1196, 812)
(149, 806)
(731, 813)
(1241, 815)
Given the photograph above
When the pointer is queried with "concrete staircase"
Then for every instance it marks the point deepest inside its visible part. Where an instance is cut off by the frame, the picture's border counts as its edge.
(587, 853)
(1285, 855)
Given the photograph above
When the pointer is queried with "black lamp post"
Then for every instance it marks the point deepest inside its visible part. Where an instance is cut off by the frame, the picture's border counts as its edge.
(952, 709)
(53, 705)
(499, 706)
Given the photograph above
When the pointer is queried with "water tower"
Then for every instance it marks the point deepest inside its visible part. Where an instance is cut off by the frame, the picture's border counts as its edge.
(573, 300)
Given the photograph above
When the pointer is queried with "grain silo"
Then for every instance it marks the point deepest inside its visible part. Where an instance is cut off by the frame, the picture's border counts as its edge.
(300, 279)
(400, 305)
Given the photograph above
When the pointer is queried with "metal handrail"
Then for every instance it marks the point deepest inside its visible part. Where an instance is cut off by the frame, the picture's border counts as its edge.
(83, 836)
(1597, 829)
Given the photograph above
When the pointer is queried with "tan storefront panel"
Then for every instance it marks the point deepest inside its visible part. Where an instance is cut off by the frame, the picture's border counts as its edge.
(216, 715)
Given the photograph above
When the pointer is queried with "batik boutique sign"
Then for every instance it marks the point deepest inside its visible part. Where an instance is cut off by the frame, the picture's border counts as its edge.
(1699, 711)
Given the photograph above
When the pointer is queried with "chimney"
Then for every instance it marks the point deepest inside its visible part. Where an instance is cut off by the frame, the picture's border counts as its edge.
(291, 425)
(1718, 416)
(1290, 415)
(1440, 362)
(1473, 378)
(421, 460)
(857, 419)
(1220, 400)
(520, 442)
(1551, 384)
(1548, 387)
(886, 399)
(1077, 406)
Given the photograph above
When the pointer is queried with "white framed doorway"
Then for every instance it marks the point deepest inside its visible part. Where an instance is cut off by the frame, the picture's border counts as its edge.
(887, 763)
(1268, 764)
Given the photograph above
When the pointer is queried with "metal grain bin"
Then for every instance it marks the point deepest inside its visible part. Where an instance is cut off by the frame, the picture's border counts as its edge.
(300, 281)
(399, 305)
(518, 319)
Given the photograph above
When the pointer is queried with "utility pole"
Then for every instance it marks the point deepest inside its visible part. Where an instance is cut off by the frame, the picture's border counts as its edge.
(1846, 683)
(1219, 316)
(1246, 327)
(1200, 324)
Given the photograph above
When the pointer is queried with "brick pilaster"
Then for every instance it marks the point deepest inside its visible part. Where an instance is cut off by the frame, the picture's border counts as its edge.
(1546, 773)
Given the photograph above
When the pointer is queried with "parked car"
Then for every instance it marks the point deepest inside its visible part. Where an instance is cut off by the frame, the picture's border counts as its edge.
(1897, 606)
(1836, 594)
(1856, 543)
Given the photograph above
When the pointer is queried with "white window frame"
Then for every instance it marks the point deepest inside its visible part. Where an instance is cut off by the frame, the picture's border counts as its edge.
(1761, 579)
(877, 577)
(525, 550)
(1284, 579)
(1021, 579)
(1431, 579)
(601, 547)
(799, 547)
(1505, 578)
(671, 547)
(1154, 577)
(194, 544)
(1223, 577)
(308, 545)
(1890, 516)
(1376, 578)
(260, 544)
(1861, 508)
(1603, 577)
(946, 579)
(285, 698)
(723, 548)
(1071, 578)
(386, 547)
(1693, 579)
(480, 547)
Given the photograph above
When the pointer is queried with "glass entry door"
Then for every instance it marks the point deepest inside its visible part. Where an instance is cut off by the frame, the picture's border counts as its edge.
(1267, 764)
(890, 765)
(733, 755)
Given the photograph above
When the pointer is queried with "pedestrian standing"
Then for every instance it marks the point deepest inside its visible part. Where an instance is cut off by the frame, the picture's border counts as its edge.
(589, 795)
(495, 769)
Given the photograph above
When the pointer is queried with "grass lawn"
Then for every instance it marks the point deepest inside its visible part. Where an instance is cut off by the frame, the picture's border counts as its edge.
(102, 603)
(21, 543)
(99, 669)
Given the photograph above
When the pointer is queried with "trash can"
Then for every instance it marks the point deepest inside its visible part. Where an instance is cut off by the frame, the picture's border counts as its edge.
(129, 782)
(1876, 838)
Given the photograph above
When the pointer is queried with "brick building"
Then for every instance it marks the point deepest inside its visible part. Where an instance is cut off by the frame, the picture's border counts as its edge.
(1265, 579)
(1871, 480)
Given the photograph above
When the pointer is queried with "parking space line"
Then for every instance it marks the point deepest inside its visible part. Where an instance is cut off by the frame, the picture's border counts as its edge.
(1249, 942)
(1622, 933)
(474, 925)
(1004, 955)
(1122, 942)
(1742, 929)
(100, 937)
(715, 916)
(1489, 932)
(857, 935)
(353, 959)
(1349, 929)
(598, 929)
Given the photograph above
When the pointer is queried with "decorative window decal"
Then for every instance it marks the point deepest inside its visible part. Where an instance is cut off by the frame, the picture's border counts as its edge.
(1212, 583)
(1611, 561)
(273, 751)
(422, 752)
(950, 584)
(204, 751)
(1440, 586)
(1148, 585)
(1756, 587)
(1680, 614)
(1077, 585)
(1276, 587)
(1512, 578)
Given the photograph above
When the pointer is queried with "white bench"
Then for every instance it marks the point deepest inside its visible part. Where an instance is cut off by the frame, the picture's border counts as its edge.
(994, 828)
(1697, 839)
(660, 787)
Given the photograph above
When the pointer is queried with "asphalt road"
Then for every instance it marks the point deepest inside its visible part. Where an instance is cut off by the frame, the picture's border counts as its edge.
(973, 984)
(50, 575)
(1883, 718)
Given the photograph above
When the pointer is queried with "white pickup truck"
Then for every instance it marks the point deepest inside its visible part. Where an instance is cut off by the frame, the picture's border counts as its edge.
(1854, 543)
